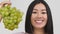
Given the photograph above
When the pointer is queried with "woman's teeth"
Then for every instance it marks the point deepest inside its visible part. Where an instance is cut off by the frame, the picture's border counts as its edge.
(39, 21)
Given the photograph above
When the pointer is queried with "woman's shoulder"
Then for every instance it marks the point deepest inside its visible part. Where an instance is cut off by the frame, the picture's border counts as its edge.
(21, 33)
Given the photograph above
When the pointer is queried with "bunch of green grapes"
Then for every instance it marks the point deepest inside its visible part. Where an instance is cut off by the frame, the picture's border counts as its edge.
(11, 17)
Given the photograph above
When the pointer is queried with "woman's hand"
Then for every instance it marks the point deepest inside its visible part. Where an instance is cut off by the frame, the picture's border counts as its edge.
(4, 3)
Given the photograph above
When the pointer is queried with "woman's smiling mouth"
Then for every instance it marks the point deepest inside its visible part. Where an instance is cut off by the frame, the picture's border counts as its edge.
(39, 21)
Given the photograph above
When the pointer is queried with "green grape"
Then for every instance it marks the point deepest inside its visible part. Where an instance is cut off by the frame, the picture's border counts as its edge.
(11, 17)
(4, 12)
(10, 27)
(16, 26)
(19, 19)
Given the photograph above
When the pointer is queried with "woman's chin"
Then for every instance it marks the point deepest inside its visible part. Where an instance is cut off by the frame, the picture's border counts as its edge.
(39, 26)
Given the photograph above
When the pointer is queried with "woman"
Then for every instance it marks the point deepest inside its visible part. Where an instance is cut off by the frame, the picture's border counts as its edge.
(39, 18)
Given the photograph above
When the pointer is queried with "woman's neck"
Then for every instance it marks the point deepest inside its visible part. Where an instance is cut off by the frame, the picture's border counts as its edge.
(38, 31)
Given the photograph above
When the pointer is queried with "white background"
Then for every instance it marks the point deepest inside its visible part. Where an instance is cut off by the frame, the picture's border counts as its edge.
(23, 6)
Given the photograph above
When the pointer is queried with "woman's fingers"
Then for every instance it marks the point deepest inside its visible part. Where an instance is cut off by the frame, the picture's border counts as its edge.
(4, 3)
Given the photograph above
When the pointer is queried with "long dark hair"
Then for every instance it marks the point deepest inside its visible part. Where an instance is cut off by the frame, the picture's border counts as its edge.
(49, 26)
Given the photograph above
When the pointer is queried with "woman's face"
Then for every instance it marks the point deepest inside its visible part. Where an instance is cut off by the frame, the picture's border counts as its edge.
(39, 16)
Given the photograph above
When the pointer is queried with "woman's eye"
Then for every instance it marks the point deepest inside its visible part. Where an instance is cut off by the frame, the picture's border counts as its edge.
(44, 13)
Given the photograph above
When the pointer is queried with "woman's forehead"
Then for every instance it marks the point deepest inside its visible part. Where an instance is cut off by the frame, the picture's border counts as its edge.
(39, 6)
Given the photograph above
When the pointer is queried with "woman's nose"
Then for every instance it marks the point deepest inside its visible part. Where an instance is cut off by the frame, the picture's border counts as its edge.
(39, 15)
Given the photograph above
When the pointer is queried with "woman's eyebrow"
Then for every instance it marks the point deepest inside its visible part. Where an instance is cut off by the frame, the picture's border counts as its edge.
(43, 10)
